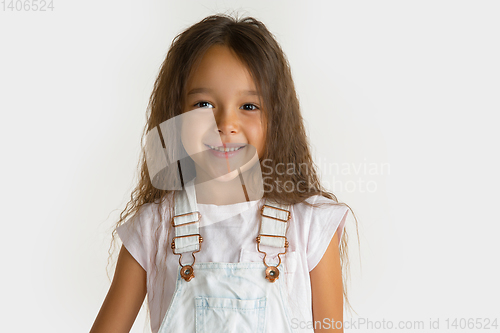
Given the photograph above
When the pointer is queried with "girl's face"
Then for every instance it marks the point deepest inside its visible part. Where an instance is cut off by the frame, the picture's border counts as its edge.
(223, 120)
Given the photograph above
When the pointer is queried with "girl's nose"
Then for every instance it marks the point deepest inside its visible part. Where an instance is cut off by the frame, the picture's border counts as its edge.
(227, 122)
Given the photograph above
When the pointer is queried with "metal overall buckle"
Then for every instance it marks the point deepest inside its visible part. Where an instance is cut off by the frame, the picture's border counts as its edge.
(187, 271)
(272, 272)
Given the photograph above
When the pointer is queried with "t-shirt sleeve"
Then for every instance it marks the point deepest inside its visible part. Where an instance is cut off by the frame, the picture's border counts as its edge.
(135, 235)
(325, 221)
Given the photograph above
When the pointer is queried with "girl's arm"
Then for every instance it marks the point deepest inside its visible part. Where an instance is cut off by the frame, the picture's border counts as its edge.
(124, 298)
(326, 289)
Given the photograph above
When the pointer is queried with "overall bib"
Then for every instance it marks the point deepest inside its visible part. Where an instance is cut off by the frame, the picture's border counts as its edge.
(227, 297)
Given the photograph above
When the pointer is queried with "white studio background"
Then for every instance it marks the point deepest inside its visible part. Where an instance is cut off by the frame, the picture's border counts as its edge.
(399, 99)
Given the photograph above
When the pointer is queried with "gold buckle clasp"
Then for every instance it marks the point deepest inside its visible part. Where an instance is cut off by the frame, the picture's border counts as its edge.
(272, 272)
(275, 218)
(187, 271)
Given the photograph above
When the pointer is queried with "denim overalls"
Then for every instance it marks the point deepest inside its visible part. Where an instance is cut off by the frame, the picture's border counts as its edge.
(227, 297)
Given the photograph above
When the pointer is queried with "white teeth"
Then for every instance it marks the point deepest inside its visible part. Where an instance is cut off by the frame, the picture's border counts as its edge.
(225, 150)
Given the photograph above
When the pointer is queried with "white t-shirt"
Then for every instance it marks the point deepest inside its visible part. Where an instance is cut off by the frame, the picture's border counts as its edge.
(229, 233)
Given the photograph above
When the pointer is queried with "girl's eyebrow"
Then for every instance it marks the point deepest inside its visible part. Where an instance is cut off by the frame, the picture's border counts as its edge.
(203, 90)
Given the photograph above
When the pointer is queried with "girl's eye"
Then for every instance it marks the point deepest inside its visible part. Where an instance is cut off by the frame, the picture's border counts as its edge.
(251, 105)
(202, 104)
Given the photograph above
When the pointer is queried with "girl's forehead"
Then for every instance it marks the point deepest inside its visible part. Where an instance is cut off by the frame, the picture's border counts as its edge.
(220, 66)
(220, 72)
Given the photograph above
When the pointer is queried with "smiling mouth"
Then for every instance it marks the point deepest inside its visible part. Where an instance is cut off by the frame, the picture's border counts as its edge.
(224, 150)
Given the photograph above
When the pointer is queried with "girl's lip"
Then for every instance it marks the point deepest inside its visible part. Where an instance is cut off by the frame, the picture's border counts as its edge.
(227, 145)
(228, 154)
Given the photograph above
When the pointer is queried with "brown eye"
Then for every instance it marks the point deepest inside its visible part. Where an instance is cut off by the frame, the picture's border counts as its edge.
(254, 107)
(202, 104)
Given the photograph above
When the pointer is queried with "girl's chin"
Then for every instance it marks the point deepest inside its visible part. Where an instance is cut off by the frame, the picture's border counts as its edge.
(219, 171)
(216, 175)
(226, 177)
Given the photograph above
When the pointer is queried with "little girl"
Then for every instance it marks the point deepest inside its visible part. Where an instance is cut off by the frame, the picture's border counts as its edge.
(229, 229)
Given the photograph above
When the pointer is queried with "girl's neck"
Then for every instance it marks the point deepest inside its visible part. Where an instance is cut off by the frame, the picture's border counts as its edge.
(219, 192)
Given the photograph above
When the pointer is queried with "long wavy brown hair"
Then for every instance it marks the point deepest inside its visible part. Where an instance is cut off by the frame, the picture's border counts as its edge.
(286, 140)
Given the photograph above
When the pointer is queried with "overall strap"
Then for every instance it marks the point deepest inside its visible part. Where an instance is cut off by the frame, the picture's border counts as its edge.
(187, 238)
(186, 221)
(273, 226)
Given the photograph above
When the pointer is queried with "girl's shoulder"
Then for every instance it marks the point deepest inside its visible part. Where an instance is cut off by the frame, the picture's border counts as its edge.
(312, 208)
(315, 224)
(319, 205)
(141, 231)
(149, 214)
(319, 218)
